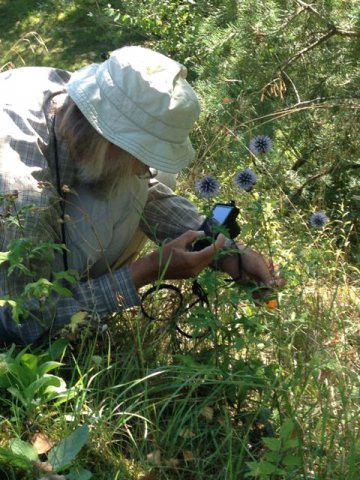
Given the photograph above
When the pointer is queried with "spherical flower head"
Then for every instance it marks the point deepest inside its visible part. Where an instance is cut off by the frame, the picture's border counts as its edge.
(260, 145)
(207, 187)
(318, 219)
(245, 179)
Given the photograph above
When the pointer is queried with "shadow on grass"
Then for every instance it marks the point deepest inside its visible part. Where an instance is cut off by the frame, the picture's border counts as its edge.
(56, 33)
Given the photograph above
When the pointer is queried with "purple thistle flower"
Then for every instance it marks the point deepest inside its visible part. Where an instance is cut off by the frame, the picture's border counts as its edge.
(245, 179)
(207, 187)
(260, 145)
(319, 219)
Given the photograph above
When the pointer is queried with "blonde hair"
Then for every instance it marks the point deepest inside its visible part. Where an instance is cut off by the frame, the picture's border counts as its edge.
(98, 162)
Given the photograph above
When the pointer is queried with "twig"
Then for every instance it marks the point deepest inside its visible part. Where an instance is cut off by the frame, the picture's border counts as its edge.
(306, 6)
(327, 171)
(347, 33)
(320, 102)
(330, 33)
(293, 86)
(312, 178)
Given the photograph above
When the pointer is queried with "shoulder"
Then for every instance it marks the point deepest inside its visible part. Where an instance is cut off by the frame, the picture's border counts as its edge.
(26, 85)
(42, 74)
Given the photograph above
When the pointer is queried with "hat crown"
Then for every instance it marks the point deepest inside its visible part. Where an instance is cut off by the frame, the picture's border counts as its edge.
(140, 100)
(155, 84)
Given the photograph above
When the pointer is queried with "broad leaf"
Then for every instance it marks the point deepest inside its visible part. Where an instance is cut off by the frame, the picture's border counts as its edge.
(63, 454)
(19, 447)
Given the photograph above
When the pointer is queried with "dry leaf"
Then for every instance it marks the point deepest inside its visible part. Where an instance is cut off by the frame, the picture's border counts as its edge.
(325, 375)
(208, 413)
(172, 462)
(43, 467)
(188, 455)
(42, 443)
(155, 457)
(186, 433)
(148, 476)
(272, 304)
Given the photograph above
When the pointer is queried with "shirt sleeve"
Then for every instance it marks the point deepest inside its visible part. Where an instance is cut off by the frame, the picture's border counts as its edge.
(103, 295)
(108, 293)
(167, 215)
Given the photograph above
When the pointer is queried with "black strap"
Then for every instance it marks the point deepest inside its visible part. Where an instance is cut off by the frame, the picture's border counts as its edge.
(62, 201)
(197, 290)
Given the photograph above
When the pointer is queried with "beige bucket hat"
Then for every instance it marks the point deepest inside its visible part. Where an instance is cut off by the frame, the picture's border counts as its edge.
(140, 100)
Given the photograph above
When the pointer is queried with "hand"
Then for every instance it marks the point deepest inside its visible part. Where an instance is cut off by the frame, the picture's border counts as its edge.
(252, 270)
(174, 260)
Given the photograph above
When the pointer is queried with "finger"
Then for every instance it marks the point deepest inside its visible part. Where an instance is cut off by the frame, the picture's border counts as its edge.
(279, 282)
(207, 254)
(188, 237)
(219, 242)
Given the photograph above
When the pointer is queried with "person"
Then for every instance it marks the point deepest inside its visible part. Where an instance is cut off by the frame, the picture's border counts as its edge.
(87, 159)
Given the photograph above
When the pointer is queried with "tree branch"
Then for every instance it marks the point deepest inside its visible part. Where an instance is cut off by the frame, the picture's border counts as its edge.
(327, 171)
(330, 33)
(320, 102)
(306, 6)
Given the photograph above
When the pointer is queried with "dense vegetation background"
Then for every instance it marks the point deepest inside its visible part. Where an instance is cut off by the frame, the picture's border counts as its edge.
(270, 393)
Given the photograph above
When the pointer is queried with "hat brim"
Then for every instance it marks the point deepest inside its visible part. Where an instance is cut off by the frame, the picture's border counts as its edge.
(119, 130)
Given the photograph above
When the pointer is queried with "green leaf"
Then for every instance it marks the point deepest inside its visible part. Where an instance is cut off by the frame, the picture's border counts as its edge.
(291, 461)
(30, 361)
(79, 473)
(57, 348)
(70, 276)
(63, 454)
(292, 443)
(4, 302)
(77, 319)
(9, 458)
(45, 387)
(15, 392)
(273, 444)
(55, 388)
(272, 457)
(262, 469)
(254, 469)
(19, 447)
(287, 429)
(62, 397)
(267, 468)
(48, 366)
(4, 256)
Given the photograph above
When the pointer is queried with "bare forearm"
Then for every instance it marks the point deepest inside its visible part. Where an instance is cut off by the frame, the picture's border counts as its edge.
(174, 260)
(145, 270)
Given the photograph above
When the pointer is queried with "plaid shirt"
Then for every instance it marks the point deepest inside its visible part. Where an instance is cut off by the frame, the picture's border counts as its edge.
(28, 171)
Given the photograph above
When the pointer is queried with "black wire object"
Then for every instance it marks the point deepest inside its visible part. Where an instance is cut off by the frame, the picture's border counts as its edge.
(180, 309)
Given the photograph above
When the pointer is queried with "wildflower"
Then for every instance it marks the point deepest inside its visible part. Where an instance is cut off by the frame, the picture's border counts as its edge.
(260, 145)
(318, 219)
(207, 187)
(245, 179)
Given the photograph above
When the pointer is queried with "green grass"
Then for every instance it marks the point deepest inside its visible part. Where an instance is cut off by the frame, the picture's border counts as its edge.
(267, 394)
(54, 33)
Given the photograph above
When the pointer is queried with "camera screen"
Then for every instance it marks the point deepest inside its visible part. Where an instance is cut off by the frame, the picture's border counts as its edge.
(220, 213)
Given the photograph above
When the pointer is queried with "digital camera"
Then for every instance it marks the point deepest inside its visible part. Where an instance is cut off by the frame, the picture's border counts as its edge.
(222, 219)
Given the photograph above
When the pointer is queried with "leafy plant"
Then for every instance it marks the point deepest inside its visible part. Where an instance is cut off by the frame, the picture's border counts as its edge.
(26, 377)
(61, 457)
(281, 456)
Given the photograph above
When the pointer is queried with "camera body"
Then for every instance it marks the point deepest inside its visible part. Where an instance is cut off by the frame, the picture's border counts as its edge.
(222, 219)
